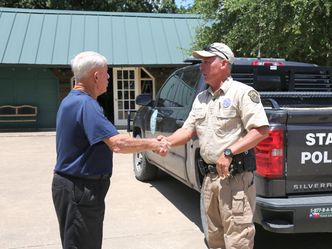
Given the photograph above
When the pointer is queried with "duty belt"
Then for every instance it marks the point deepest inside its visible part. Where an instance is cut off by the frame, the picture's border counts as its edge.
(245, 161)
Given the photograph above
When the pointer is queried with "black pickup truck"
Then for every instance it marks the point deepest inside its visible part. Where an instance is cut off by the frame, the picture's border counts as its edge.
(294, 164)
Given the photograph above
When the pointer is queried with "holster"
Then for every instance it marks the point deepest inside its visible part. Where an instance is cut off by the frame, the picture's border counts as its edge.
(245, 161)
(202, 166)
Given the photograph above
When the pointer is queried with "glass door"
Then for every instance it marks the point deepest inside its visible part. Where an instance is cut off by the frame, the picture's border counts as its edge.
(128, 82)
(125, 90)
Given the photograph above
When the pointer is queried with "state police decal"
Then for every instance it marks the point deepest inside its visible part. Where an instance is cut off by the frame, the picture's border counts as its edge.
(254, 96)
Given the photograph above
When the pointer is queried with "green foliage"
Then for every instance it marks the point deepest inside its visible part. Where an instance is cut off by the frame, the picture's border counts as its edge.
(36, 4)
(294, 29)
(166, 6)
(159, 6)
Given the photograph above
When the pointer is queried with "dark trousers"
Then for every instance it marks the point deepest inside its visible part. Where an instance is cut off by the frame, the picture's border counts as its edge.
(80, 208)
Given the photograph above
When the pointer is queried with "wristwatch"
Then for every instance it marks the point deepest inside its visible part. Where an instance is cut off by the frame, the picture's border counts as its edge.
(228, 153)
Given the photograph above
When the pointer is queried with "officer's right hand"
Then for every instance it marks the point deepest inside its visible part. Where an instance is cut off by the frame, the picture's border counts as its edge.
(222, 165)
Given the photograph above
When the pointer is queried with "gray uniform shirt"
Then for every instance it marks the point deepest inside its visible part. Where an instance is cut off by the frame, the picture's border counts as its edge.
(223, 118)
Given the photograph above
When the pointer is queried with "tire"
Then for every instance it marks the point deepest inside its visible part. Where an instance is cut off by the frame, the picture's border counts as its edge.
(143, 170)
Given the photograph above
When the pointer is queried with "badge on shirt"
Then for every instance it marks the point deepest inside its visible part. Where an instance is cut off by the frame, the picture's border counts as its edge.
(226, 103)
(254, 96)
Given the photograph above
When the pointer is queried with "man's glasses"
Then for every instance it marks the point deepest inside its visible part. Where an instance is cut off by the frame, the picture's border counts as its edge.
(210, 48)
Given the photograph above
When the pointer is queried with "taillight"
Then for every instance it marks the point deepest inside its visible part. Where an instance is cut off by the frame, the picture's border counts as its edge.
(270, 155)
(267, 63)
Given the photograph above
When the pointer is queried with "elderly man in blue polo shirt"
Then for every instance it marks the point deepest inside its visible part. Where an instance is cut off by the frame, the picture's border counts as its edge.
(85, 142)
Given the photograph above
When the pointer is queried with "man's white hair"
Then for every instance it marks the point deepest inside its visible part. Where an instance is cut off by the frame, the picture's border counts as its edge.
(84, 62)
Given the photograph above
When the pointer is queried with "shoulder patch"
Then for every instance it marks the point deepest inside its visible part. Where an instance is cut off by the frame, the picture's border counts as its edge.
(254, 96)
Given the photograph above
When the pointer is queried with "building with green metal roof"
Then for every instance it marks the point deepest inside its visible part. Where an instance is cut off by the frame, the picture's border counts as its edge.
(36, 47)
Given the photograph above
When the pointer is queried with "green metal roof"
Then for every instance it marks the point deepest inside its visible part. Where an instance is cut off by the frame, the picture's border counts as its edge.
(53, 37)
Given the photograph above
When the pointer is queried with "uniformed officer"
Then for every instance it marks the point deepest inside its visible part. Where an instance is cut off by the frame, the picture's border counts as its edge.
(229, 120)
(85, 140)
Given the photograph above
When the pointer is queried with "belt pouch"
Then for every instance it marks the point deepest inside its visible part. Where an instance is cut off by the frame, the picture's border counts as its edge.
(202, 166)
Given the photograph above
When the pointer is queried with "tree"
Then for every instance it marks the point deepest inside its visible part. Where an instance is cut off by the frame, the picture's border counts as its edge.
(294, 29)
(101, 5)
(158, 6)
(166, 6)
(37, 4)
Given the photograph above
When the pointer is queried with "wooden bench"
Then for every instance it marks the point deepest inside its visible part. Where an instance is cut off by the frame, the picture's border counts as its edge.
(18, 114)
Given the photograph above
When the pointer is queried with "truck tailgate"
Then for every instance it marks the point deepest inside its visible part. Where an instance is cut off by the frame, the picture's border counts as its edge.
(309, 150)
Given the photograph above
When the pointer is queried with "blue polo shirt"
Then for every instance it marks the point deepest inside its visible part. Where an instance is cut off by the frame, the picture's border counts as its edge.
(81, 128)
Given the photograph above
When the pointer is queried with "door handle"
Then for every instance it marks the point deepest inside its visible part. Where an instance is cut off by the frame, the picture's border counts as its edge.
(179, 122)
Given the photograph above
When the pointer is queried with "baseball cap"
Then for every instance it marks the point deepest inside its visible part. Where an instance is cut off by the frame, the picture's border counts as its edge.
(215, 49)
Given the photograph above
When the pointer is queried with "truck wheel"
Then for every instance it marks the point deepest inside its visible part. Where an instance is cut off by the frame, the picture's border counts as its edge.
(144, 171)
(203, 217)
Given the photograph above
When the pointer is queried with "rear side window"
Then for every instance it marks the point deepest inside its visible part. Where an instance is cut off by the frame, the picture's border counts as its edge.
(167, 96)
(179, 90)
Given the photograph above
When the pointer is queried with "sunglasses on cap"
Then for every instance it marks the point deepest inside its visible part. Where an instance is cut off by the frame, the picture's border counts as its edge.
(211, 48)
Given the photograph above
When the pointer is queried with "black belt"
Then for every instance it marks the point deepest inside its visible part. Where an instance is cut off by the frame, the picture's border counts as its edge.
(84, 177)
(241, 162)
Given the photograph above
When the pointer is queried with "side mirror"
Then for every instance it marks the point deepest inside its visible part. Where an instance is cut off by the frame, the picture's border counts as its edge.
(144, 99)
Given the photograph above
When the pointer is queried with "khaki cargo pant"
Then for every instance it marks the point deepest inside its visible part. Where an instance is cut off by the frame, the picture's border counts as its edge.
(229, 207)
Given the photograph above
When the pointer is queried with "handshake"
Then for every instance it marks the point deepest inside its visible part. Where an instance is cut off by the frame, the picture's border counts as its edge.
(162, 145)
